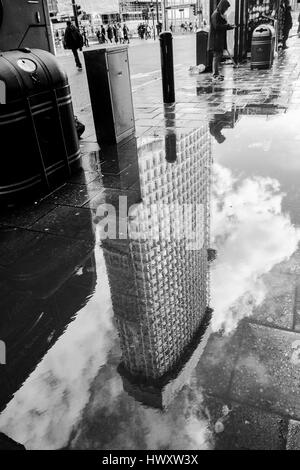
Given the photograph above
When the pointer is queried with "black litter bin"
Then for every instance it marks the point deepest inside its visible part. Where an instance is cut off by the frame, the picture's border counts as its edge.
(39, 144)
(262, 47)
(203, 54)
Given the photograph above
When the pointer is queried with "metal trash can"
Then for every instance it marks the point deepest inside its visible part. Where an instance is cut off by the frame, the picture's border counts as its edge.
(39, 143)
(262, 47)
(203, 54)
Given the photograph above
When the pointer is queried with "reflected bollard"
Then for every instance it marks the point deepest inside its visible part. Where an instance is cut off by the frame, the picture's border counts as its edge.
(167, 66)
(170, 147)
(170, 136)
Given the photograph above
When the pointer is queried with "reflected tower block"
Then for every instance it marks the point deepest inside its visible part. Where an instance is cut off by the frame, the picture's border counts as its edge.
(159, 281)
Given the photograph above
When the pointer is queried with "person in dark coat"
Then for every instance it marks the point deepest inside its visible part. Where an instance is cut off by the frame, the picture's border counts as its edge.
(103, 35)
(126, 33)
(115, 31)
(110, 33)
(85, 38)
(98, 34)
(287, 24)
(74, 41)
(218, 36)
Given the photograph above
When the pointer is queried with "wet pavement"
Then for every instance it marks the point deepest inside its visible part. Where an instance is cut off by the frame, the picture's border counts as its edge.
(112, 342)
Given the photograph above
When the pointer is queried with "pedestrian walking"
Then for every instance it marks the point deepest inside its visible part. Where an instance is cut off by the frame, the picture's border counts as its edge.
(110, 33)
(85, 38)
(120, 34)
(115, 31)
(218, 36)
(148, 32)
(56, 38)
(298, 25)
(103, 35)
(98, 34)
(141, 30)
(126, 33)
(74, 41)
(287, 24)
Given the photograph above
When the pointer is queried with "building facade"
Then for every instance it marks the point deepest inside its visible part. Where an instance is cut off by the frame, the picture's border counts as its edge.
(178, 12)
(159, 282)
(53, 7)
(64, 8)
(100, 7)
(140, 10)
(91, 7)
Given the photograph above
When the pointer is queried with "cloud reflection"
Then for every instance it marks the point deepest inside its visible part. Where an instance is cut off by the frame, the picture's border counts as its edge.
(50, 402)
(188, 429)
(251, 235)
(120, 422)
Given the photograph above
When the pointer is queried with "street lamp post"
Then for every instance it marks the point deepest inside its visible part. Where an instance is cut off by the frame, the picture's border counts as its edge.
(122, 10)
(200, 12)
(157, 14)
(164, 14)
(75, 13)
(153, 21)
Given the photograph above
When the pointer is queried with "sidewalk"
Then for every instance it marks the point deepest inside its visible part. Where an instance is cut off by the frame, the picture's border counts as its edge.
(246, 383)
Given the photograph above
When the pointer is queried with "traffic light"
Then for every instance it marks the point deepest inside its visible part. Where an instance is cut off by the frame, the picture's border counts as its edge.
(78, 10)
(151, 7)
(195, 9)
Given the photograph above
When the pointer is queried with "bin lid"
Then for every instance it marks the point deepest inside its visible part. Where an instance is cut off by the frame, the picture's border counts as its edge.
(27, 72)
(264, 30)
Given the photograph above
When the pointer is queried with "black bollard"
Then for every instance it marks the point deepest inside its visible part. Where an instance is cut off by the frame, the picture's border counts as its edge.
(203, 54)
(167, 66)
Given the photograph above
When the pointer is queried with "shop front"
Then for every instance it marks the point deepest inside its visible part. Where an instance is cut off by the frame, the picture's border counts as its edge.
(247, 15)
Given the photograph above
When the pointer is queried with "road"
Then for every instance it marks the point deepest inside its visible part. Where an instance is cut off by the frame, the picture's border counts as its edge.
(144, 57)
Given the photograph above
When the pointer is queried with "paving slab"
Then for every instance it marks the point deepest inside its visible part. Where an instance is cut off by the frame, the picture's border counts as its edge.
(67, 221)
(267, 372)
(241, 427)
(217, 363)
(293, 438)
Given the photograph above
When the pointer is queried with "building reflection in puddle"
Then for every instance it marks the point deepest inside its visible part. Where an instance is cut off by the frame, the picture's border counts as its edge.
(159, 274)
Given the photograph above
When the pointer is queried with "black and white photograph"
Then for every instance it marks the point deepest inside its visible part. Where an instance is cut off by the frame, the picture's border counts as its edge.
(149, 229)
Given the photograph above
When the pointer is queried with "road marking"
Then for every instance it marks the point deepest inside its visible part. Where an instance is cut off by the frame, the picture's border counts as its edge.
(142, 75)
(152, 81)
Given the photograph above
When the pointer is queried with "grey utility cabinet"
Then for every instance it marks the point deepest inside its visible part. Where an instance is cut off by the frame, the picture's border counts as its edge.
(109, 82)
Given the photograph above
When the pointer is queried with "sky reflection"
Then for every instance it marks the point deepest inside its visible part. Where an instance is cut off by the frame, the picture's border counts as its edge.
(48, 405)
(251, 235)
